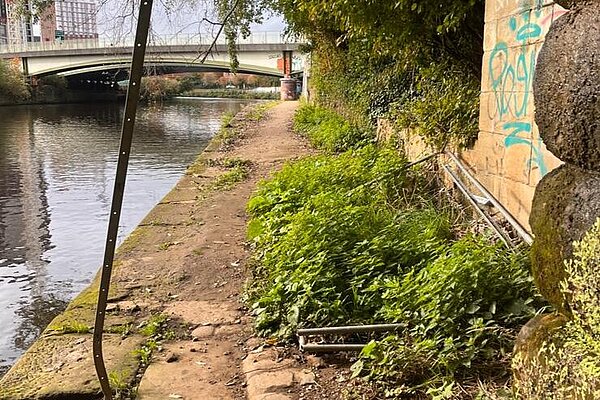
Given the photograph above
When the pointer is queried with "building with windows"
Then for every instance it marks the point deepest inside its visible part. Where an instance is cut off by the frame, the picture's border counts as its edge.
(3, 28)
(69, 19)
(18, 28)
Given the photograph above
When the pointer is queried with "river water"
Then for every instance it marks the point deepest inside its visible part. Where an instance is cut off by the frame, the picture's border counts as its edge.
(57, 165)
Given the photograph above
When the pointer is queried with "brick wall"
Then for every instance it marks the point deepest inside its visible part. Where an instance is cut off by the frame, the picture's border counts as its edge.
(509, 157)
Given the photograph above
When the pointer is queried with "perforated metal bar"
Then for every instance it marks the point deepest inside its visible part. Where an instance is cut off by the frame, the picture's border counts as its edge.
(133, 95)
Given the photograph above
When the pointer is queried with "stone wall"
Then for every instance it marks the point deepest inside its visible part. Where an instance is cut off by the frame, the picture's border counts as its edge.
(509, 157)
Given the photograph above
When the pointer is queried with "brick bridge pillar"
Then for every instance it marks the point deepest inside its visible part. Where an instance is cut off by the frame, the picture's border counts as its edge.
(288, 84)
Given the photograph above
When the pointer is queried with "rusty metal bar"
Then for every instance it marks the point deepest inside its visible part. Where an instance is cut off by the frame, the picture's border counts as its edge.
(527, 238)
(342, 330)
(331, 348)
(506, 240)
(133, 94)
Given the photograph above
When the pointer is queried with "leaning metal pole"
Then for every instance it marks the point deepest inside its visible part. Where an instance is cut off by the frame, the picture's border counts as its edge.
(133, 94)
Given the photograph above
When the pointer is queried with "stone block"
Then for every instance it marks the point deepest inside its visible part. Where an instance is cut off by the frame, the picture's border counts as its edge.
(274, 396)
(203, 332)
(269, 382)
(264, 361)
(567, 88)
(204, 312)
(61, 367)
(566, 205)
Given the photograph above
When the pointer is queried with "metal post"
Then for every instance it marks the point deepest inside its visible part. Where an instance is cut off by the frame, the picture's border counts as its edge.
(133, 94)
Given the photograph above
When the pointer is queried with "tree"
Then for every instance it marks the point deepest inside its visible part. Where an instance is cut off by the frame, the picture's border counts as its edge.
(12, 84)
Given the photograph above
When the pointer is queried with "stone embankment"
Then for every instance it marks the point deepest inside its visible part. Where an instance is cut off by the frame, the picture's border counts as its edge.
(176, 326)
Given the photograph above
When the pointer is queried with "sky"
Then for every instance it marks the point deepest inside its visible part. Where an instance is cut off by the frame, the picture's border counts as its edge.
(182, 17)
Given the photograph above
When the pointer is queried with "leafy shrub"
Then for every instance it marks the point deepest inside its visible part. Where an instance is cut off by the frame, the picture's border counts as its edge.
(328, 130)
(353, 238)
(156, 88)
(12, 84)
(324, 230)
(566, 365)
(459, 314)
(230, 94)
(443, 110)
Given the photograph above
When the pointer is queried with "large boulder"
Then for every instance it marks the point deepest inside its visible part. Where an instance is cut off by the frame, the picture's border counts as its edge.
(569, 4)
(565, 206)
(567, 87)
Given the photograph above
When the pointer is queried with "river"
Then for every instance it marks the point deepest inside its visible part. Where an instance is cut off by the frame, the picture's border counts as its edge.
(57, 165)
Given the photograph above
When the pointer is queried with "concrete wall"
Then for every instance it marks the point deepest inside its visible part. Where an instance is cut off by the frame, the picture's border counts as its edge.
(509, 157)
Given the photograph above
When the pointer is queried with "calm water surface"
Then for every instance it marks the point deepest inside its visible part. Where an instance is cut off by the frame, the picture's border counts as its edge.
(57, 165)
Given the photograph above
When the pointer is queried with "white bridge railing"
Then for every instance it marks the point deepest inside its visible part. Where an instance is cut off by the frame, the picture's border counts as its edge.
(162, 40)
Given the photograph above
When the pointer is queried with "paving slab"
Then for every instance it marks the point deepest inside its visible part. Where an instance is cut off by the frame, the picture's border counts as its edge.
(61, 367)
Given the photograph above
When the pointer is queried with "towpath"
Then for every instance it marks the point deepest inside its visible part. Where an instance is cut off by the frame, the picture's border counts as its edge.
(176, 296)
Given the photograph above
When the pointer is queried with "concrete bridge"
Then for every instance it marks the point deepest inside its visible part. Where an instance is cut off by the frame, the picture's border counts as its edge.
(263, 53)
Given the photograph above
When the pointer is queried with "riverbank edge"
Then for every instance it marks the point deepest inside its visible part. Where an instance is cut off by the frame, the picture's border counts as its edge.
(68, 97)
(59, 364)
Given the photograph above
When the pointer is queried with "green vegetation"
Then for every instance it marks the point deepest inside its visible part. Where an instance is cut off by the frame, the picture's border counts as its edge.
(158, 88)
(12, 84)
(328, 130)
(222, 81)
(358, 238)
(259, 111)
(124, 329)
(232, 94)
(154, 325)
(144, 353)
(165, 245)
(416, 63)
(566, 366)
(71, 327)
(237, 171)
(121, 385)
(156, 329)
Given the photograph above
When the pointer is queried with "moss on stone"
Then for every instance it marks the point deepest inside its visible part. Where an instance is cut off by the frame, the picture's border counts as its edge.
(565, 206)
(556, 357)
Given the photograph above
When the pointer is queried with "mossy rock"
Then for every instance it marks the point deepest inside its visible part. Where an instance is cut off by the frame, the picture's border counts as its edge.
(529, 362)
(570, 4)
(537, 332)
(565, 206)
(567, 86)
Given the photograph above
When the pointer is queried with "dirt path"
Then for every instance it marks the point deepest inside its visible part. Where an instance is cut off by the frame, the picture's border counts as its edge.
(210, 261)
(176, 292)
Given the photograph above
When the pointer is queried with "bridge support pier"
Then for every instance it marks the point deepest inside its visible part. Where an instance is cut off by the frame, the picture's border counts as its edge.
(288, 84)
(288, 89)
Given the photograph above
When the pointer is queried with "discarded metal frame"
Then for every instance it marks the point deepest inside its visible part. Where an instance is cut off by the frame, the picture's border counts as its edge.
(133, 94)
(340, 330)
(506, 240)
(527, 238)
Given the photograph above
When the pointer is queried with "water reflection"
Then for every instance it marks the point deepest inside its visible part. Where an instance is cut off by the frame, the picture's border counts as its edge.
(56, 176)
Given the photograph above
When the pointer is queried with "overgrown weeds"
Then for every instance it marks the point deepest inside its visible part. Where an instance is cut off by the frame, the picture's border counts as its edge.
(328, 130)
(237, 171)
(359, 238)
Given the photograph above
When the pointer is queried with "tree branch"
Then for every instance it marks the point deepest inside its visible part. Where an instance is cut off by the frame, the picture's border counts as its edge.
(221, 27)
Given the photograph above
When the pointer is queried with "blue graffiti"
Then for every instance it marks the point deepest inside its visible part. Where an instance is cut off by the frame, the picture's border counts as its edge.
(512, 85)
(515, 77)
(513, 139)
